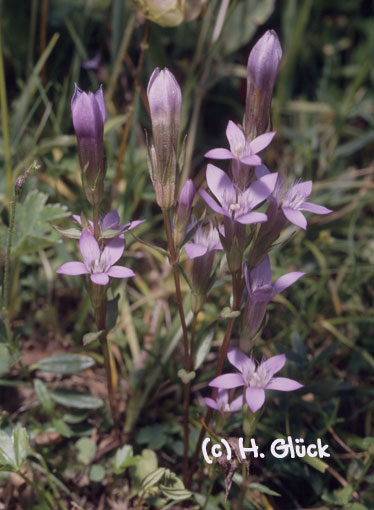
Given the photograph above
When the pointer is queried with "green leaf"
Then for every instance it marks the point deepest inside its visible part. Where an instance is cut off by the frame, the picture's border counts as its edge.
(227, 313)
(152, 478)
(65, 363)
(44, 396)
(71, 398)
(123, 459)
(203, 349)
(86, 450)
(185, 376)
(62, 427)
(146, 465)
(53, 212)
(96, 473)
(21, 446)
(72, 233)
(88, 338)
(8, 460)
(262, 488)
(109, 234)
(175, 494)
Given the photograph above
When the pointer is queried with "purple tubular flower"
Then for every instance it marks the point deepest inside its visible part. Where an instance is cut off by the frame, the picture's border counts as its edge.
(88, 112)
(241, 150)
(293, 200)
(202, 249)
(222, 403)
(98, 264)
(165, 103)
(234, 203)
(262, 70)
(183, 213)
(261, 291)
(111, 221)
(255, 379)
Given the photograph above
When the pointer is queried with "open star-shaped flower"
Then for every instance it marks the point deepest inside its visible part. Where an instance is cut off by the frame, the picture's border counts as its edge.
(98, 264)
(234, 203)
(204, 240)
(111, 221)
(293, 200)
(255, 379)
(242, 150)
(222, 404)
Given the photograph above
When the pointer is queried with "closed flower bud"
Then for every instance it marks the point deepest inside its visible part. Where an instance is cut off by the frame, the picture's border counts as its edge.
(165, 103)
(88, 112)
(183, 214)
(262, 70)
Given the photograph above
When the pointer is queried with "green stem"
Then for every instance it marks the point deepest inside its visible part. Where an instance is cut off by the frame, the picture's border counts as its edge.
(7, 270)
(34, 486)
(4, 122)
(96, 222)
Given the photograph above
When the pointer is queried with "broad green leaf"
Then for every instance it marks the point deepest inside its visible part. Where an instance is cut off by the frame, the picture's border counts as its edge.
(53, 212)
(88, 338)
(8, 460)
(86, 450)
(175, 494)
(65, 363)
(123, 459)
(21, 446)
(44, 396)
(62, 427)
(262, 488)
(71, 398)
(147, 464)
(203, 349)
(72, 233)
(96, 473)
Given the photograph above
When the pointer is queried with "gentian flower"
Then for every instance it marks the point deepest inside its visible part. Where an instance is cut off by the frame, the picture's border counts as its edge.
(98, 264)
(165, 103)
(204, 240)
(293, 200)
(261, 291)
(235, 204)
(111, 221)
(222, 403)
(255, 379)
(88, 112)
(241, 150)
(262, 70)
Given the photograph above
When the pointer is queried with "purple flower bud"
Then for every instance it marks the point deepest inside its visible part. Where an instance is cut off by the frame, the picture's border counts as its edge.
(88, 112)
(183, 214)
(165, 103)
(262, 70)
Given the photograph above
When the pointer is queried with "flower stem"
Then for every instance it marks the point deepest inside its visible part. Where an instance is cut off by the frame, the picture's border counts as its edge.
(5, 125)
(237, 292)
(187, 354)
(96, 222)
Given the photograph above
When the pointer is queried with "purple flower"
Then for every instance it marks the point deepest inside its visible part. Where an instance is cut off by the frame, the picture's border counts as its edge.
(293, 200)
(261, 291)
(262, 70)
(88, 112)
(241, 150)
(255, 379)
(234, 203)
(98, 264)
(111, 221)
(222, 403)
(165, 103)
(204, 240)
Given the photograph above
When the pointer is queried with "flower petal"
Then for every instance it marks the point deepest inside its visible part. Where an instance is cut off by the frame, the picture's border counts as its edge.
(240, 361)
(261, 275)
(260, 190)
(113, 251)
(89, 248)
(252, 217)
(273, 364)
(252, 160)
(262, 141)
(255, 398)
(227, 381)
(100, 278)
(219, 183)
(283, 384)
(194, 250)
(212, 203)
(131, 225)
(72, 268)
(295, 217)
(235, 137)
(211, 403)
(302, 188)
(120, 272)
(219, 153)
(286, 281)
(314, 208)
(261, 170)
(237, 404)
(110, 221)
